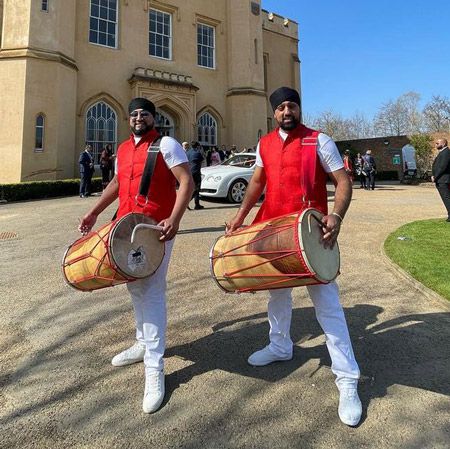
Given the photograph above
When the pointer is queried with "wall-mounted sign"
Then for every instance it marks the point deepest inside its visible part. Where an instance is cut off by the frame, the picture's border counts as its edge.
(396, 159)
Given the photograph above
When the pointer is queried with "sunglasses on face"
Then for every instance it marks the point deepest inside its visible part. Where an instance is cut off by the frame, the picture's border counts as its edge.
(143, 114)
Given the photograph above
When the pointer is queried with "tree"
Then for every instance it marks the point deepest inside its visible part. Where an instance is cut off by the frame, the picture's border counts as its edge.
(399, 117)
(360, 126)
(332, 124)
(424, 150)
(436, 114)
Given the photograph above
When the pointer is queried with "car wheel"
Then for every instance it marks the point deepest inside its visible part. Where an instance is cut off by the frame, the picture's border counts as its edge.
(237, 191)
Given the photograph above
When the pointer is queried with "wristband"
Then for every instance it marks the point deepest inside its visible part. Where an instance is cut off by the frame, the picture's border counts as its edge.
(337, 215)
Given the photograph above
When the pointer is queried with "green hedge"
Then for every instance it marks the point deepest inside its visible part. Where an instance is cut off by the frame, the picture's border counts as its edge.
(44, 189)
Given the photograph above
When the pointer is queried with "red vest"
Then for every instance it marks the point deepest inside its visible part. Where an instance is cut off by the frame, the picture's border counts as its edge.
(162, 191)
(295, 177)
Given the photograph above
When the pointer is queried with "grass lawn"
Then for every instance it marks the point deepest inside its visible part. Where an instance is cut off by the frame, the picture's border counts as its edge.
(424, 254)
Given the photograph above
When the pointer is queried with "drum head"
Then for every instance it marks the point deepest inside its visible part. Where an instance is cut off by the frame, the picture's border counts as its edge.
(324, 262)
(141, 258)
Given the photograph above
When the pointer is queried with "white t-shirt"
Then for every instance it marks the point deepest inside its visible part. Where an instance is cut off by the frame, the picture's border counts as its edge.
(327, 150)
(172, 152)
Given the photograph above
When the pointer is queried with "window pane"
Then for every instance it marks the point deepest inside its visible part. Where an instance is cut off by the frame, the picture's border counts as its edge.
(103, 22)
(101, 127)
(159, 34)
(205, 47)
(94, 10)
(102, 26)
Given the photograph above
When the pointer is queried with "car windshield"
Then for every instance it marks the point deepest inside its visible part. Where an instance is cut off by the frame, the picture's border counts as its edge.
(241, 160)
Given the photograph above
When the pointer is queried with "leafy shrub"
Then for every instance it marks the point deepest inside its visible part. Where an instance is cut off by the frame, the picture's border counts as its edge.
(44, 189)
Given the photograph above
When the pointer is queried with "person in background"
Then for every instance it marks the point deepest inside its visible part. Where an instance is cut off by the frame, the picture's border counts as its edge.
(86, 163)
(221, 152)
(215, 157)
(359, 171)
(207, 153)
(348, 165)
(106, 161)
(185, 146)
(441, 173)
(227, 151)
(195, 159)
(370, 169)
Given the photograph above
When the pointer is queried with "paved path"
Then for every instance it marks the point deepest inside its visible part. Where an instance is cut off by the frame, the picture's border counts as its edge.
(59, 390)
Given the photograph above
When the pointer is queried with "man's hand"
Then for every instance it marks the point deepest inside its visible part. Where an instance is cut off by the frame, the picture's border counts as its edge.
(233, 224)
(432, 179)
(170, 228)
(87, 223)
(331, 228)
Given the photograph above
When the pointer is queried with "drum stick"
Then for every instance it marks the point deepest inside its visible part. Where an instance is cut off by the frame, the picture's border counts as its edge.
(142, 226)
(318, 221)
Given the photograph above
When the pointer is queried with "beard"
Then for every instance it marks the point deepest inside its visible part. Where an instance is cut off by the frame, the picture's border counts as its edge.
(290, 125)
(143, 128)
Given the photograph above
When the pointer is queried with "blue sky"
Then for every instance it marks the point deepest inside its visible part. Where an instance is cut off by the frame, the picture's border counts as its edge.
(358, 54)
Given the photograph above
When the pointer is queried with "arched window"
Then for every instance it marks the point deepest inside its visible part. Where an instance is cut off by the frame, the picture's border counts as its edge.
(39, 134)
(101, 128)
(207, 130)
(164, 124)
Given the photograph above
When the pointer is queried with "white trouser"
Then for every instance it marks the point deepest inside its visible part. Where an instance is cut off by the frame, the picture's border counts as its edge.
(329, 314)
(149, 303)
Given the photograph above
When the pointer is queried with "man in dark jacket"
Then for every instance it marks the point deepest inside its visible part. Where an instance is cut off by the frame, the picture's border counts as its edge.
(86, 162)
(195, 159)
(441, 173)
(369, 168)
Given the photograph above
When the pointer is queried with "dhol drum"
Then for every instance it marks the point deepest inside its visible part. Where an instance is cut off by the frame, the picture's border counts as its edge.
(118, 252)
(283, 252)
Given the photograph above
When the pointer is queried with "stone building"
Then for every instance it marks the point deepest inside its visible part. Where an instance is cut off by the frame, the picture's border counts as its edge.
(69, 68)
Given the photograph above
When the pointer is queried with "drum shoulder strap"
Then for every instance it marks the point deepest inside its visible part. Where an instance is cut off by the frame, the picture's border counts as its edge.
(152, 154)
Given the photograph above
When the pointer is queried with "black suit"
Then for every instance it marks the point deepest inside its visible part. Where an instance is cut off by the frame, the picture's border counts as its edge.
(86, 162)
(441, 173)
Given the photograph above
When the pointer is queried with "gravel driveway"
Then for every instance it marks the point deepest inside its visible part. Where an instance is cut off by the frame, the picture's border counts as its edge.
(59, 390)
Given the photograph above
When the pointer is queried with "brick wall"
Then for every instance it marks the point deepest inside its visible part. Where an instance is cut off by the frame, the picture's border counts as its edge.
(385, 150)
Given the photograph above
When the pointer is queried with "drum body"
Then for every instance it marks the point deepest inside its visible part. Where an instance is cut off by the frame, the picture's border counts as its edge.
(282, 252)
(107, 257)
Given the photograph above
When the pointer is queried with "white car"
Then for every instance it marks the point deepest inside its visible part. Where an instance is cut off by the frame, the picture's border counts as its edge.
(228, 179)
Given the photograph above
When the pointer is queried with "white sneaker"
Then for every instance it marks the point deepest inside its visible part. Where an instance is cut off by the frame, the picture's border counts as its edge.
(154, 391)
(130, 355)
(350, 407)
(266, 356)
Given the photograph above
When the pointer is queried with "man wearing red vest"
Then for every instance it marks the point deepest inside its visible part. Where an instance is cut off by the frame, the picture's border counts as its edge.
(293, 163)
(165, 205)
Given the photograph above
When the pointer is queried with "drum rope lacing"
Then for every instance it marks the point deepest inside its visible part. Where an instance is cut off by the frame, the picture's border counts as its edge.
(282, 278)
(284, 253)
(96, 275)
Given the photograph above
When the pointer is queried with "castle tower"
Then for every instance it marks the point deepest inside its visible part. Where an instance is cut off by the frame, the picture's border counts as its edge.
(246, 98)
(38, 75)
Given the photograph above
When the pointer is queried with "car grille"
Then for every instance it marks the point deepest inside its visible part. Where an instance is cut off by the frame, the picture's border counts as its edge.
(208, 190)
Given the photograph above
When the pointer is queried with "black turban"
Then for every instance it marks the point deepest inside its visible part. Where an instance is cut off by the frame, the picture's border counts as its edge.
(284, 94)
(141, 103)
